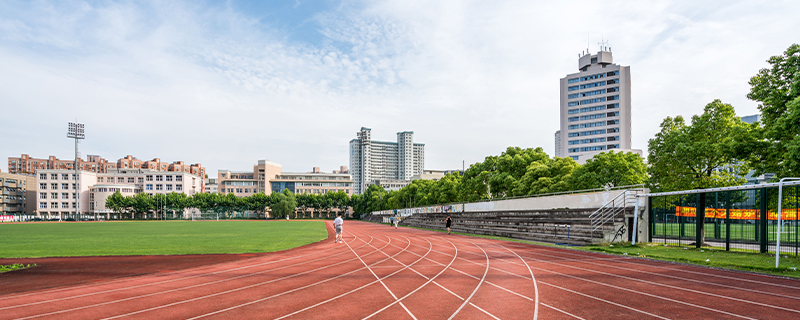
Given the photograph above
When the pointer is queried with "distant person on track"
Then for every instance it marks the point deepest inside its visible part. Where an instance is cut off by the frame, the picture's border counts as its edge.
(337, 225)
(391, 221)
(447, 223)
(396, 221)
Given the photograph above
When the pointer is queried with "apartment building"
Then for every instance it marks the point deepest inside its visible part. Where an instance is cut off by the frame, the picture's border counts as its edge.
(371, 160)
(17, 194)
(595, 108)
(94, 163)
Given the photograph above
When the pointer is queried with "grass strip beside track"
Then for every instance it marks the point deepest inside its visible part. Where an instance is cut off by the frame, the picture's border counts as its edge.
(33, 240)
(16, 266)
(744, 261)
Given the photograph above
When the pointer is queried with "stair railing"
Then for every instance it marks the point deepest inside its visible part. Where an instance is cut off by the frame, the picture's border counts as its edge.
(613, 208)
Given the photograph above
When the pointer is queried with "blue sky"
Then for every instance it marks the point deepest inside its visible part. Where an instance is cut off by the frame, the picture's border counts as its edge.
(228, 83)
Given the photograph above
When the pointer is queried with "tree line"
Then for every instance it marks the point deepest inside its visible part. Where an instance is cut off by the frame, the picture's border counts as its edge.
(260, 205)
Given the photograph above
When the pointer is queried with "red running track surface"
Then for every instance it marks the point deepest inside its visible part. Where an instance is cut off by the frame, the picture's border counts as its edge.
(387, 273)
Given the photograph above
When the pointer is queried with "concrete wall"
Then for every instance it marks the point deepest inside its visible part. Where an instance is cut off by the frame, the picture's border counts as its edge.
(571, 201)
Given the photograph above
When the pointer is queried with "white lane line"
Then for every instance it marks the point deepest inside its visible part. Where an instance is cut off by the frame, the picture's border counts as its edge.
(354, 290)
(189, 287)
(683, 279)
(603, 300)
(705, 273)
(535, 287)
(644, 293)
(134, 278)
(420, 287)
(165, 281)
(254, 285)
(476, 287)
(562, 311)
(704, 293)
(448, 290)
(484, 311)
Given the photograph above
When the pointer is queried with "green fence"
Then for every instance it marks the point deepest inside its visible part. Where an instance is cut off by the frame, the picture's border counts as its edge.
(741, 219)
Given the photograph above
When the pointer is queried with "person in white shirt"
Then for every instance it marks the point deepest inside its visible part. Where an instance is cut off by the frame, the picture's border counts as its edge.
(337, 225)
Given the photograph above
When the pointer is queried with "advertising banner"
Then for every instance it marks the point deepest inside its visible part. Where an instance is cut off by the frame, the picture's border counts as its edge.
(738, 214)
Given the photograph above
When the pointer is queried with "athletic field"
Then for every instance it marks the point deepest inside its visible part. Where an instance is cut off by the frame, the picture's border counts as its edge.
(155, 237)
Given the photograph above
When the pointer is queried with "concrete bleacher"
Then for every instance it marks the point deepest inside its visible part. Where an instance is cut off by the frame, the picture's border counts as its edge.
(564, 226)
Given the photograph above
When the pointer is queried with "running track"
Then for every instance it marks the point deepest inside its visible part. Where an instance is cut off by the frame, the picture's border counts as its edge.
(386, 273)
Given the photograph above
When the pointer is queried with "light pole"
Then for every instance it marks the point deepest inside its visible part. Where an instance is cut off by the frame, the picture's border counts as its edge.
(75, 131)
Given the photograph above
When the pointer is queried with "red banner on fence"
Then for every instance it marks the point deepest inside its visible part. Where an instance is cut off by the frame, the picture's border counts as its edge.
(6, 218)
(739, 214)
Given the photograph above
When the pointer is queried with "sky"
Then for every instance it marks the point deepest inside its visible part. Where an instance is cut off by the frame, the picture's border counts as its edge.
(226, 84)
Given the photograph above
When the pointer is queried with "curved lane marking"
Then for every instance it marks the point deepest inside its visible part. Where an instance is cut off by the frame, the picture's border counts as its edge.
(476, 287)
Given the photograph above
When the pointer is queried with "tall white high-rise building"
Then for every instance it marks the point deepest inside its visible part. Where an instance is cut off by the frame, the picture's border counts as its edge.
(381, 160)
(595, 108)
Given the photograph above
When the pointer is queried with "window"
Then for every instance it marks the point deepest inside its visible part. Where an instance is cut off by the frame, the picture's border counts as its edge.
(593, 116)
(574, 157)
(73, 177)
(54, 195)
(614, 138)
(573, 111)
(64, 195)
(613, 146)
(159, 187)
(613, 73)
(572, 88)
(42, 205)
(573, 103)
(612, 130)
(159, 178)
(180, 178)
(120, 179)
(43, 186)
(64, 176)
(169, 187)
(613, 97)
(592, 77)
(593, 93)
(612, 81)
(65, 205)
(169, 178)
(595, 100)
(65, 186)
(74, 205)
(73, 186)
(610, 122)
(130, 179)
(613, 114)
(99, 179)
(73, 196)
(593, 84)
(614, 89)
(54, 205)
(43, 195)
(573, 80)
(178, 187)
(139, 179)
(238, 190)
(149, 187)
(573, 134)
(574, 149)
(613, 106)
(593, 148)
(149, 177)
(574, 95)
(573, 119)
(42, 176)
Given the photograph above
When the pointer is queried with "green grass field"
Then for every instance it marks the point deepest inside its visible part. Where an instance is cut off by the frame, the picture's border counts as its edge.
(155, 237)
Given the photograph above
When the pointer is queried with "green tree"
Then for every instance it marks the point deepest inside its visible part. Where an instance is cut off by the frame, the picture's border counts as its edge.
(142, 204)
(545, 175)
(609, 169)
(777, 89)
(284, 203)
(697, 156)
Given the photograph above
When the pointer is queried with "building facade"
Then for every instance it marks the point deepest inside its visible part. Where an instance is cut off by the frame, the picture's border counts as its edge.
(595, 108)
(58, 192)
(17, 194)
(246, 183)
(314, 182)
(26, 165)
(558, 144)
(381, 160)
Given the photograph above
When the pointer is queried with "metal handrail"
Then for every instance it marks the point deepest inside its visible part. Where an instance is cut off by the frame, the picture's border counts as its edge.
(612, 208)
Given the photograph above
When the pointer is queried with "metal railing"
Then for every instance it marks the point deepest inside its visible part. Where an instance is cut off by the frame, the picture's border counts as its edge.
(613, 208)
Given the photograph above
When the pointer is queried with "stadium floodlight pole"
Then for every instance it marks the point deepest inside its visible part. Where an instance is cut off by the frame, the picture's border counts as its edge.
(75, 131)
(780, 213)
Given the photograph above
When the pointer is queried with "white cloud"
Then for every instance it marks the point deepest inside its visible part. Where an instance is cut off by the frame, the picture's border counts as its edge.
(213, 85)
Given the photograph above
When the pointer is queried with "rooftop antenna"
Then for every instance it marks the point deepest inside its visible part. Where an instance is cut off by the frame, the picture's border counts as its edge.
(602, 44)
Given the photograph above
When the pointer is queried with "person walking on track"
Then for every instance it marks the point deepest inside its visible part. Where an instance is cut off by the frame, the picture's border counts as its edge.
(396, 221)
(337, 225)
(447, 223)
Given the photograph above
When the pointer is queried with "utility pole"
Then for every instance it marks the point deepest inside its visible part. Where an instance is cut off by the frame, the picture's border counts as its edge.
(75, 131)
